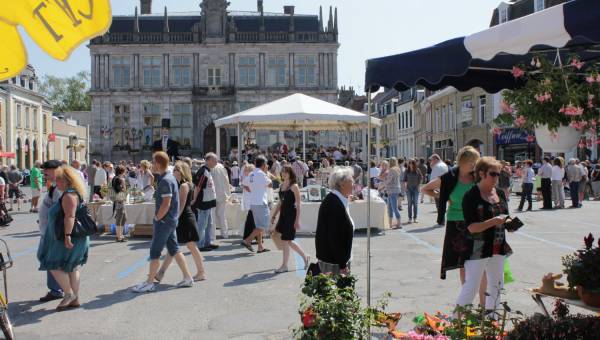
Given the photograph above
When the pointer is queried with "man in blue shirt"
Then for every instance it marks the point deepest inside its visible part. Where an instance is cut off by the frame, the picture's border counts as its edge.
(165, 222)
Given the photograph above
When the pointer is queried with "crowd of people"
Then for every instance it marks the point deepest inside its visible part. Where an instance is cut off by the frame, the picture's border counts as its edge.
(471, 196)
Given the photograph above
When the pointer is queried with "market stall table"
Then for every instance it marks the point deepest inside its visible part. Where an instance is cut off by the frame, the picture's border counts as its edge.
(309, 213)
(537, 297)
(139, 214)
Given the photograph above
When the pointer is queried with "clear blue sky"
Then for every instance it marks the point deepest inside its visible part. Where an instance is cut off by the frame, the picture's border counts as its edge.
(368, 28)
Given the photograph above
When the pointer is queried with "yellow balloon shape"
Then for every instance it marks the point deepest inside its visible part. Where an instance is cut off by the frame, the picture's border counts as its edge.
(57, 26)
(13, 57)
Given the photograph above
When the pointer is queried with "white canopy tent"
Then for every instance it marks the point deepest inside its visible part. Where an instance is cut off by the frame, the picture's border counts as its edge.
(297, 112)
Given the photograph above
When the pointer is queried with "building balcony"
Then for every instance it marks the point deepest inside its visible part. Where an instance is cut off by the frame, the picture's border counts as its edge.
(213, 91)
(144, 38)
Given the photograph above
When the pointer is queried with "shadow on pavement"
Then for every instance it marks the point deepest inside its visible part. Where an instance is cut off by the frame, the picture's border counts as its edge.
(251, 278)
(423, 230)
(21, 314)
(225, 257)
(120, 296)
(25, 234)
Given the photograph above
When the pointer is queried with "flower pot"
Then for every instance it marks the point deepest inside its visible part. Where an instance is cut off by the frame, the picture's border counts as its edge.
(588, 297)
(565, 139)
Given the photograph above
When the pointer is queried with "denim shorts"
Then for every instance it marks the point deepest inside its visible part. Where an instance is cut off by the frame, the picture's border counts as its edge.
(163, 235)
(261, 216)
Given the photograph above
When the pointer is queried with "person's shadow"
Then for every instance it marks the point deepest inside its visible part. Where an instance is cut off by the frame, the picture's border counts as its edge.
(251, 278)
(119, 296)
(21, 314)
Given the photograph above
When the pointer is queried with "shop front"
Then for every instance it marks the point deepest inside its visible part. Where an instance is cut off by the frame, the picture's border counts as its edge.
(516, 145)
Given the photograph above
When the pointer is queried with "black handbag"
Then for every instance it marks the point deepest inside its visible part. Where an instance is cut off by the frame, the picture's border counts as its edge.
(84, 225)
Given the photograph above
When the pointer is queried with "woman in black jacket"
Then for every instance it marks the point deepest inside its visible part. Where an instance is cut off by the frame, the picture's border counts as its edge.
(335, 229)
(485, 210)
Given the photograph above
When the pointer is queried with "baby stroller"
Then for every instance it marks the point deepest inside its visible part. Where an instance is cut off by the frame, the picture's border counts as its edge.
(5, 218)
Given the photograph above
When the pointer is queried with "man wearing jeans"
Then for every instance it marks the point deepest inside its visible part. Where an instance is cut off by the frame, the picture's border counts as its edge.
(574, 175)
(53, 195)
(528, 180)
(256, 184)
(204, 201)
(164, 224)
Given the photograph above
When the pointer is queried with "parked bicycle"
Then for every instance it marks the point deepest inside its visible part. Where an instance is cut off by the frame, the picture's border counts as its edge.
(5, 263)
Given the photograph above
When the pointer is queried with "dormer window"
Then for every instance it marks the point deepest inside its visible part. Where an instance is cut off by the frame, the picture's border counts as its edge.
(503, 11)
(22, 81)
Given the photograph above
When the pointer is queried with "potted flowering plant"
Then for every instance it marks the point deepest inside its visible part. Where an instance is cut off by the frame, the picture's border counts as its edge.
(559, 101)
(583, 271)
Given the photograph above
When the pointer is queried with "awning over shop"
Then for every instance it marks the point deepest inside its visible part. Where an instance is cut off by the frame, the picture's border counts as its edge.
(485, 59)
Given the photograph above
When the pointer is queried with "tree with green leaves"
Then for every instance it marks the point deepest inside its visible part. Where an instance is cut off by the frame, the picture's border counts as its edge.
(69, 93)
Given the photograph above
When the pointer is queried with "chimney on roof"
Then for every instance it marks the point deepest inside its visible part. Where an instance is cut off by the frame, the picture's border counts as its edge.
(166, 21)
(146, 6)
(136, 22)
(259, 6)
(320, 18)
(289, 10)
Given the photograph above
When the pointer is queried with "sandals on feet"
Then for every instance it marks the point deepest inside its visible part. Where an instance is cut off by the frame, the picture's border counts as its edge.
(281, 270)
(159, 276)
(199, 277)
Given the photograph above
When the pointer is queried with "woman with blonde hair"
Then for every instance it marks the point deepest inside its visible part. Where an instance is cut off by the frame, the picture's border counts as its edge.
(391, 184)
(61, 252)
(146, 180)
(187, 233)
(451, 188)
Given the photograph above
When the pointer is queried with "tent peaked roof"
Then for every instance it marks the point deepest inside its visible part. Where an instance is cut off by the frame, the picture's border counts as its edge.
(296, 112)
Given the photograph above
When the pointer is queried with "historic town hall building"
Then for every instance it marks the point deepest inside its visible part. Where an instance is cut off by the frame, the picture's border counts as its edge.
(197, 67)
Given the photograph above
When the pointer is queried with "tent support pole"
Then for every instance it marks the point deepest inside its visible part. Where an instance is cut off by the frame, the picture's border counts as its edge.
(304, 141)
(369, 200)
(218, 151)
(239, 144)
(378, 142)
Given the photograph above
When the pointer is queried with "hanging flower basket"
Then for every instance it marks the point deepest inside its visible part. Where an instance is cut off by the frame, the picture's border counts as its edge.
(559, 101)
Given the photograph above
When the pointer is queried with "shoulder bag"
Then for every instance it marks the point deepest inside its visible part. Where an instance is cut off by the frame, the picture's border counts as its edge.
(84, 225)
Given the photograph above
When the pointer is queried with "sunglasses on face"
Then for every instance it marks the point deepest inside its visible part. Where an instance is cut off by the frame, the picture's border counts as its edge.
(494, 174)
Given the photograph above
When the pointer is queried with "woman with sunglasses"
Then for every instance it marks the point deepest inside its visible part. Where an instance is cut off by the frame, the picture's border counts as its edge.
(485, 210)
(450, 188)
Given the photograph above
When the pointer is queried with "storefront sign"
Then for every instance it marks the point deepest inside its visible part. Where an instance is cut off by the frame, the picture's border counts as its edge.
(514, 136)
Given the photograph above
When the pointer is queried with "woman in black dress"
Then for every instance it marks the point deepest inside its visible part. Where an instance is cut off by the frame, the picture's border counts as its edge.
(186, 227)
(289, 217)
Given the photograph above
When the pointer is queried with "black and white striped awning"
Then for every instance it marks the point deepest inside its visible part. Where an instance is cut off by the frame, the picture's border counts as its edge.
(485, 59)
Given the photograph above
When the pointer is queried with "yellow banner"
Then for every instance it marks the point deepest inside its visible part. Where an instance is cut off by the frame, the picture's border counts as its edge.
(57, 26)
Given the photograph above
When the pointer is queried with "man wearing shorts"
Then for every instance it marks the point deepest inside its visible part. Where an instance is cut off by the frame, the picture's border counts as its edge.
(164, 224)
(256, 185)
(15, 178)
(36, 186)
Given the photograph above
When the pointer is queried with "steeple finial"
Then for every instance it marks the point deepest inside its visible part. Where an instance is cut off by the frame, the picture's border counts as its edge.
(320, 18)
(136, 22)
(335, 22)
(166, 21)
(330, 22)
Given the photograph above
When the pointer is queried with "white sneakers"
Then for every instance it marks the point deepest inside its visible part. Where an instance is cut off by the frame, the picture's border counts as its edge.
(144, 287)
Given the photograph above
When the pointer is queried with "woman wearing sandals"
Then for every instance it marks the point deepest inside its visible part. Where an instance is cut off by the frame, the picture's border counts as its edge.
(63, 255)
(187, 233)
(118, 185)
(288, 209)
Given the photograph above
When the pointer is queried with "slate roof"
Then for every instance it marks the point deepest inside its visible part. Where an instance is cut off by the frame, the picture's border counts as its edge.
(245, 22)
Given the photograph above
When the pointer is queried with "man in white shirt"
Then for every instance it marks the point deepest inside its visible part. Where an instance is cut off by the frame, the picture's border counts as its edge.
(222, 190)
(77, 166)
(99, 179)
(438, 168)
(300, 169)
(235, 174)
(528, 180)
(256, 184)
(545, 173)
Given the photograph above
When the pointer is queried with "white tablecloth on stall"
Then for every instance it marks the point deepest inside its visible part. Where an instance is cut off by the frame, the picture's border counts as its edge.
(138, 213)
(309, 214)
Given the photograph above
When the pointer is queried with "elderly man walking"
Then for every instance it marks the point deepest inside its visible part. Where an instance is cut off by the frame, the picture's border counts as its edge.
(53, 195)
(222, 191)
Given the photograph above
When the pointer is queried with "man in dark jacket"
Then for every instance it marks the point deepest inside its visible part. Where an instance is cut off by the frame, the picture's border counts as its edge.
(166, 144)
(335, 228)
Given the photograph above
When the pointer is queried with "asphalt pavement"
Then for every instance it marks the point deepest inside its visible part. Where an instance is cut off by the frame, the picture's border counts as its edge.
(244, 299)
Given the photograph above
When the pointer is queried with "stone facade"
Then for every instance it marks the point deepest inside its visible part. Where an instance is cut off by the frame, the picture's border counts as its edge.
(70, 140)
(200, 67)
(25, 120)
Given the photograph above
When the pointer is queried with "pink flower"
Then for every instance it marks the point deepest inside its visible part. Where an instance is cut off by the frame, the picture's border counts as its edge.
(520, 121)
(505, 107)
(577, 64)
(548, 96)
(571, 110)
(517, 72)
(593, 122)
(578, 125)
(581, 145)
(497, 131)
(591, 79)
